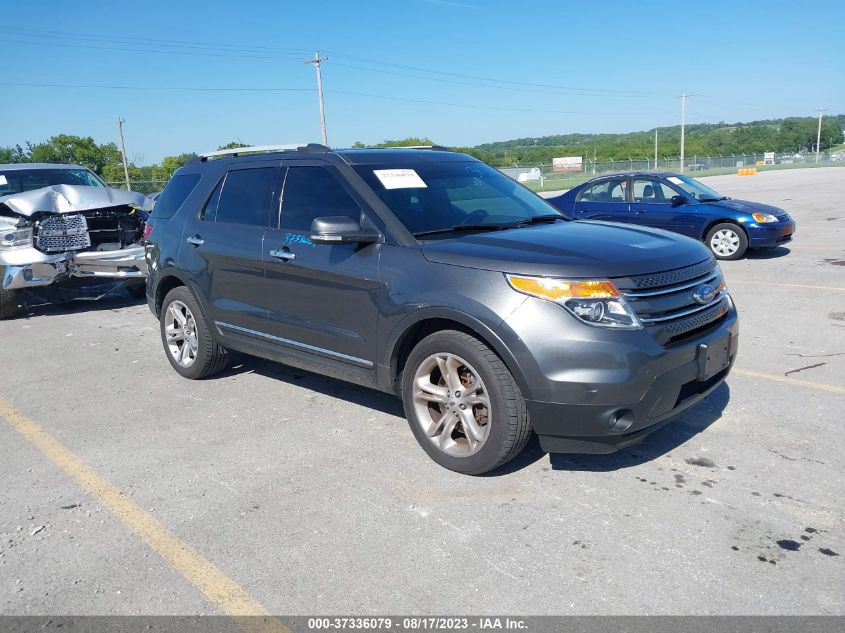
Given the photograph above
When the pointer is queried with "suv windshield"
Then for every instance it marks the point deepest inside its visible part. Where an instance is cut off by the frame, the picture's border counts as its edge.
(446, 197)
(695, 189)
(20, 180)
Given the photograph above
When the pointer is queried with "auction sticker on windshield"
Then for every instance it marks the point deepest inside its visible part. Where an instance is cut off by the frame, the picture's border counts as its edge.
(399, 179)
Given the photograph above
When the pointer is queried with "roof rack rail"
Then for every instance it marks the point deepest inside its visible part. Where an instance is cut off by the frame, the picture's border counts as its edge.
(262, 149)
(434, 147)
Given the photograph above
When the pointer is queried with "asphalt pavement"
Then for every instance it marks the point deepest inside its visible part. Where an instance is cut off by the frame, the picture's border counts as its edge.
(312, 496)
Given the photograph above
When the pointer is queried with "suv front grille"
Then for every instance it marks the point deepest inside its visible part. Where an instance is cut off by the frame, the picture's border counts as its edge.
(675, 276)
(60, 233)
(665, 302)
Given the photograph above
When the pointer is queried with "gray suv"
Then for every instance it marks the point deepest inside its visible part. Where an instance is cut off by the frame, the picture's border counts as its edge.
(428, 274)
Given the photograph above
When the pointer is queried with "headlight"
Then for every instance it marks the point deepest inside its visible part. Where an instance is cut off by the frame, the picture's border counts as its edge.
(594, 302)
(762, 218)
(15, 237)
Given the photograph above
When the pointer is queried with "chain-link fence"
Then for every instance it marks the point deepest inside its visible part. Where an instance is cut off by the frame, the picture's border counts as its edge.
(543, 177)
(148, 187)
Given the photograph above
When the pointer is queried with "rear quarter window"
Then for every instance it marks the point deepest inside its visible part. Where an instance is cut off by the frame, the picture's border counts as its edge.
(174, 195)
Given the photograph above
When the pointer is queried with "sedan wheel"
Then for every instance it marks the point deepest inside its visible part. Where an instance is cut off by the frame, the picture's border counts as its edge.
(727, 241)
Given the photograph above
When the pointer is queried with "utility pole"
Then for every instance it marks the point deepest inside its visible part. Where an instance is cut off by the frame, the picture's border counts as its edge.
(819, 133)
(655, 148)
(317, 61)
(120, 123)
(684, 96)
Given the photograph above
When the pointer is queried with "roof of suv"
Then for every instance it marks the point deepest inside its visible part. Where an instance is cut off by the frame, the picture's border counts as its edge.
(351, 156)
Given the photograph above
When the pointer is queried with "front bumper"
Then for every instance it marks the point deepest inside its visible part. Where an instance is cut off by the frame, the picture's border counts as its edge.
(770, 234)
(30, 268)
(590, 390)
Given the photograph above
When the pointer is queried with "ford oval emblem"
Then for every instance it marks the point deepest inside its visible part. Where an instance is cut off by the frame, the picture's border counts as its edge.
(704, 294)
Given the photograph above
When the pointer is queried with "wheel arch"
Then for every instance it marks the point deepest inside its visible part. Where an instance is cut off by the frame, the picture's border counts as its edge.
(713, 223)
(168, 282)
(425, 322)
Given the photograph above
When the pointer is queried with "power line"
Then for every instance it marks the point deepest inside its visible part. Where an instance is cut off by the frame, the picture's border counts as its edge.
(465, 82)
(264, 52)
(142, 49)
(163, 88)
(495, 80)
(488, 107)
(146, 40)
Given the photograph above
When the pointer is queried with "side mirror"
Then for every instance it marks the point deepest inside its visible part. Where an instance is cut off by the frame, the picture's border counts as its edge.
(340, 229)
(678, 201)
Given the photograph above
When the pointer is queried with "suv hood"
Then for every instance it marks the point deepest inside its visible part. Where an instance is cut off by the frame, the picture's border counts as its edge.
(571, 249)
(746, 206)
(72, 198)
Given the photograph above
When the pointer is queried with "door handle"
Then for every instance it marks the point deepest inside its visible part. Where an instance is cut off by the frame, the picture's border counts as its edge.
(639, 211)
(195, 240)
(285, 255)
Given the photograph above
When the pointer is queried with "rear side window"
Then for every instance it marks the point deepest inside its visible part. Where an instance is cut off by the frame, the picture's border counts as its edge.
(174, 195)
(244, 196)
(314, 192)
(606, 191)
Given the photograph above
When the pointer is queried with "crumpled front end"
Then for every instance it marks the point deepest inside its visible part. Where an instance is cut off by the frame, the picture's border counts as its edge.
(57, 233)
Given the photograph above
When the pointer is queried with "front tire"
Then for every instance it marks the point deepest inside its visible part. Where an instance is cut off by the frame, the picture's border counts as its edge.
(186, 337)
(726, 241)
(464, 406)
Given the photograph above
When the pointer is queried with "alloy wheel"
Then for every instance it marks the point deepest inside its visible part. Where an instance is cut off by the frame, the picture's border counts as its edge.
(452, 405)
(180, 331)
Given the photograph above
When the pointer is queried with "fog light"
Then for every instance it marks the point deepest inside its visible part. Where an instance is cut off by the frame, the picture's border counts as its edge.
(621, 420)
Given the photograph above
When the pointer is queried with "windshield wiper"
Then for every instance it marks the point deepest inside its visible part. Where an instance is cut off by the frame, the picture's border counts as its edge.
(537, 219)
(458, 228)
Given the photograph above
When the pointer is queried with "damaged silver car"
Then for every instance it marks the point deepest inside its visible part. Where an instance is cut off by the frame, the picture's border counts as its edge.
(61, 226)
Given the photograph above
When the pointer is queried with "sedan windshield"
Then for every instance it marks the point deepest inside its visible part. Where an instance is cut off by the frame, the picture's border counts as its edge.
(20, 180)
(445, 199)
(695, 189)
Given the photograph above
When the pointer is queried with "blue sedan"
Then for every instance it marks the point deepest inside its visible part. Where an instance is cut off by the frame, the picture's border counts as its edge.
(675, 202)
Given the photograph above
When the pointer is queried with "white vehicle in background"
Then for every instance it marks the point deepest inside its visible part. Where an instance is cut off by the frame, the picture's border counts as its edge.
(60, 225)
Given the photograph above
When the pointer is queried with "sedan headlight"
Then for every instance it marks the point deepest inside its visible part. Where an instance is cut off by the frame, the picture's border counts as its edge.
(15, 237)
(595, 302)
(762, 218)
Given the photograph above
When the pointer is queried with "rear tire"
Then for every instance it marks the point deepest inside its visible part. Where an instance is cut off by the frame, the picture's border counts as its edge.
(9, 300)
(186, 336)
(726, 241)
(464, 406)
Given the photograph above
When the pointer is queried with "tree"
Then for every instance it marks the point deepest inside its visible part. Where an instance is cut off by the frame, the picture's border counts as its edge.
(13, 154)
(232, 145)
(76, 150)
(169, 164)
(406, 142)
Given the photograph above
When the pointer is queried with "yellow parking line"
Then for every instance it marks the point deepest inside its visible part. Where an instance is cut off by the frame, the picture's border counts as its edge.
(221, 590)
(770, 285)
(789, 381)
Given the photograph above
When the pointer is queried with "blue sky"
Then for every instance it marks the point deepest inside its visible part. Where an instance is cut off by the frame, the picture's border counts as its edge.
(462, 72)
